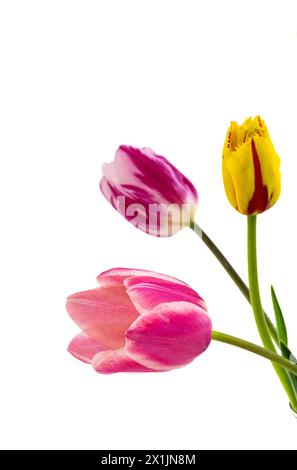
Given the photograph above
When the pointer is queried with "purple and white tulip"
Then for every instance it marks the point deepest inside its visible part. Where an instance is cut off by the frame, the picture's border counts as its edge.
(138, 321)
(149, 191)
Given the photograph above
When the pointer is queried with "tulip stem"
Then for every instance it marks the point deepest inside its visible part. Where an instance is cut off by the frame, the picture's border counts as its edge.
(258, 309)
(254, 348)
(231, 271)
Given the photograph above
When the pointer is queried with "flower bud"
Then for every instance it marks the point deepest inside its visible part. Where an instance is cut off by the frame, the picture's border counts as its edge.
(250, 167)
(149, 191)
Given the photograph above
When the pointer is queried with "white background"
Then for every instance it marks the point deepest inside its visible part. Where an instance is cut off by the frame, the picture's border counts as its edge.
(77, 79)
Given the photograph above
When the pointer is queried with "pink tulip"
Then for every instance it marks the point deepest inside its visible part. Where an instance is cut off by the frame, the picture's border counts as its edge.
(149, 191)
(138, 321)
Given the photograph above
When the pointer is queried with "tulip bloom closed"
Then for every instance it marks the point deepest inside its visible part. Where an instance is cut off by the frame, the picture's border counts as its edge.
(149, 191)
(250, 166)
(138, 321)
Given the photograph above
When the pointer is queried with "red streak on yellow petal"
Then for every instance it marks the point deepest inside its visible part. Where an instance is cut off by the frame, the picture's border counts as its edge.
(259, 202)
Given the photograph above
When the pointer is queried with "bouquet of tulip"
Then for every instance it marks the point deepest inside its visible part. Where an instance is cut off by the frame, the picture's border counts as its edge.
(143, 321)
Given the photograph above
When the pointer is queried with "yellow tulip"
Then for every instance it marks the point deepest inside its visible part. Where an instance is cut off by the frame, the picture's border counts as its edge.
(250, 166)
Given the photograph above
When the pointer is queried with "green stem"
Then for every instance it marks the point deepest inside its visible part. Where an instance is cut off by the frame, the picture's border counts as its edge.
(258, 309)
(231, 271)
(254, 348)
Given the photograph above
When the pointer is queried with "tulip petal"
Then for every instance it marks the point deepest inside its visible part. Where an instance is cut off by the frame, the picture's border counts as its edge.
(110, 362)
(147, 292)
(270, 168)
(228, 181)
(117, 276)
(85, 348)
(241, 168)
(172, 335)
(141, 168)
(103, 313)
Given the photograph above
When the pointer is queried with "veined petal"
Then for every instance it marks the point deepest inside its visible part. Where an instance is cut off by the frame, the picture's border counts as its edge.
(85, 348)
(143, 169)
(146, 292)
(172, 335)
(111, 362)
(103, 313)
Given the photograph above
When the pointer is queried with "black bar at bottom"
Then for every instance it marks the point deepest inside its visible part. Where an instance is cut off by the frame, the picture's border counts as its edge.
(135, 459)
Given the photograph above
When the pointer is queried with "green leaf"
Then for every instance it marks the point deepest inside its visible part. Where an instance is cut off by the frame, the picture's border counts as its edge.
(288, 355)
(280, 322)
(283, 338)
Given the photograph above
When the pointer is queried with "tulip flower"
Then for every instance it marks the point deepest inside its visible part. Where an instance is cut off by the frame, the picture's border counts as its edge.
(138, 321)
(250, 166)
(149, 191)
